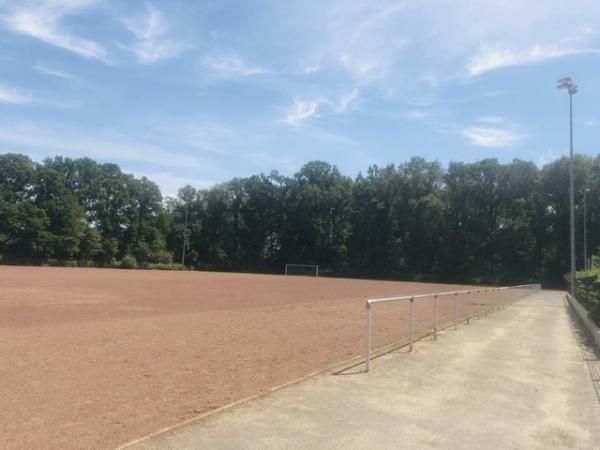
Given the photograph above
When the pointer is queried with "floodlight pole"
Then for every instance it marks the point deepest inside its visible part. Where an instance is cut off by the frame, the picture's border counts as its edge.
(585, 259)
(567, 83)
(572, 195)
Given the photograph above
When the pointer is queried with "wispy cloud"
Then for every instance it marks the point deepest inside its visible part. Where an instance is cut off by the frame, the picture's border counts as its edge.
(301, 110)
(150, 43)
(232, 66)
(493, 58)
(377, 17)
(15, 96)
(492, 137)
(401, 48)
(363, 70)
(54, 72)
(345, 101)
(304, 109)
(44, 20)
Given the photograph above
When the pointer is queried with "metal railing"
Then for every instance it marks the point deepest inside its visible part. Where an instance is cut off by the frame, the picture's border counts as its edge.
(498, 301)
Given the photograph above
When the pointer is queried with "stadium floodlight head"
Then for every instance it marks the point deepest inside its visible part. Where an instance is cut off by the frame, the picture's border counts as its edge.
(563, 82)
(567, 83)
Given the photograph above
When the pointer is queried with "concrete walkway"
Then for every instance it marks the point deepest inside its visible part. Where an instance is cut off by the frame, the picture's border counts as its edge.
(522, 378)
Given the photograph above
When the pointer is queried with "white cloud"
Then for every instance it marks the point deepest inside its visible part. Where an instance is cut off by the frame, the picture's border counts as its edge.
(375, 18)
(304, 109)
(493, 58)
(230, 66)
(492, 137)
(403, 49)
(363, 70)
(54, 72)
(345, 101)
(44, 21)
(301, 110)
(488, 60)
(15, 96)
(150, 44)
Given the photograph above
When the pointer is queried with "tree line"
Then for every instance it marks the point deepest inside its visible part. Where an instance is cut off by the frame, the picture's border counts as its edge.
(484, 222)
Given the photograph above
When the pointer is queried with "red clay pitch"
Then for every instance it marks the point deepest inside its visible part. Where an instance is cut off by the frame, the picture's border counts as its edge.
(92, 358)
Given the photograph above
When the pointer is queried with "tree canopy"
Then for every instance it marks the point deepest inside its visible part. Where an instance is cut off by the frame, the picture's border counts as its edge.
(472, 222)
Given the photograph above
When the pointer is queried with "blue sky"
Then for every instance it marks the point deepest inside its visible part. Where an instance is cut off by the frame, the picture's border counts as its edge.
(197, 92)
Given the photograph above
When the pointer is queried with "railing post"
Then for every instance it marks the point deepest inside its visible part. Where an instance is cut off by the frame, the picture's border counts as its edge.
(412, 324)
(456, 310)
(368, 342)
(435, 316)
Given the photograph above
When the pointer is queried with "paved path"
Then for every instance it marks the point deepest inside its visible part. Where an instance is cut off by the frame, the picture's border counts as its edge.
(519, 379)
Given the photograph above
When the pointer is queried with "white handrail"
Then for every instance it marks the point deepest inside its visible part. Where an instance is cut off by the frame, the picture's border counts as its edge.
(435, 296)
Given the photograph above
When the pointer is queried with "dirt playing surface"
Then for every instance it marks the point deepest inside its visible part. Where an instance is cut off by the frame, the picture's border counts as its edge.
(92, 358)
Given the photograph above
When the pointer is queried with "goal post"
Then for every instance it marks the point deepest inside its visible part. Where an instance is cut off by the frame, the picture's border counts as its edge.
(302, 269)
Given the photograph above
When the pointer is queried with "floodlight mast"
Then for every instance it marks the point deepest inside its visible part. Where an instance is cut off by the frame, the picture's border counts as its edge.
(567, 83)
(586, 266)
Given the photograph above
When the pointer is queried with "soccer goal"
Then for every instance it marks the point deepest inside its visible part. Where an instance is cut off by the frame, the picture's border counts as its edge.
(302, 269)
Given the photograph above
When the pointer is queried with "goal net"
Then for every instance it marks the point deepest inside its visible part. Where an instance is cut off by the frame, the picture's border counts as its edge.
(311, 270)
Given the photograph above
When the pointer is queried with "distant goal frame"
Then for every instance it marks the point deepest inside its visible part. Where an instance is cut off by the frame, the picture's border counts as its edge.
(314, 266)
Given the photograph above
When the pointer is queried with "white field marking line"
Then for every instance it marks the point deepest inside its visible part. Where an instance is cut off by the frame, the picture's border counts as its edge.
(329, 369)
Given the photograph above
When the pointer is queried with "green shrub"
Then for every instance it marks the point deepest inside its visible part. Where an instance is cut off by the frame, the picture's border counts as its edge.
(587, 291)
(128, 262)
